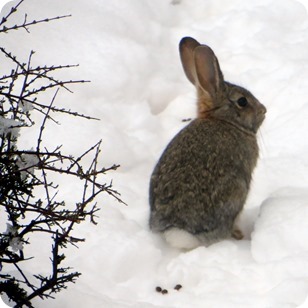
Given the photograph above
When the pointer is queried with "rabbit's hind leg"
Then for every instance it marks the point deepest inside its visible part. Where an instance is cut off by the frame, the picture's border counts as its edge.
(237, 233)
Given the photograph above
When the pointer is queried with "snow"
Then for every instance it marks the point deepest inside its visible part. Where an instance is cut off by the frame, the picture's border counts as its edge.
(129, 51)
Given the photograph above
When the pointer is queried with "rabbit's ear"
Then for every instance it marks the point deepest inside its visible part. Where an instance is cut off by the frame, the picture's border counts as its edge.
(187, 47)
(208, 73)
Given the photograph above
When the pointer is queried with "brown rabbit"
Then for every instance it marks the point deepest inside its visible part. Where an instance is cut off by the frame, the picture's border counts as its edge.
(200, 184)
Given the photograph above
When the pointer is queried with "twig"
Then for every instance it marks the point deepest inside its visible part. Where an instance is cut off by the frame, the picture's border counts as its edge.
(42, 127)
(26, 24)
(11, 12)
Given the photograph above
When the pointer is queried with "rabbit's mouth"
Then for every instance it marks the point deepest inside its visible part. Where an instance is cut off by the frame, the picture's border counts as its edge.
(257, 117)
(261, 115)
(258, 121)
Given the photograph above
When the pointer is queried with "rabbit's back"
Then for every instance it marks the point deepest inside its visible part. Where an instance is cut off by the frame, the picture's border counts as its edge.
(202, 179)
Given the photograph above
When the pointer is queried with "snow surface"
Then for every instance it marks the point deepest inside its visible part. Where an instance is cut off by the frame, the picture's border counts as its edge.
(129, 50)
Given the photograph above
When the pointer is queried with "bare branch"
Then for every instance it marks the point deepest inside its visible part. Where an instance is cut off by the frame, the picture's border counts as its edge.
(25, 23)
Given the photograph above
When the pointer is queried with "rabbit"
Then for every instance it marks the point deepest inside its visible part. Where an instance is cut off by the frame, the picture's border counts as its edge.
(200, 184)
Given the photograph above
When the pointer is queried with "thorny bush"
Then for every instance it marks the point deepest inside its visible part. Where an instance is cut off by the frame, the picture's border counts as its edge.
(28, 198)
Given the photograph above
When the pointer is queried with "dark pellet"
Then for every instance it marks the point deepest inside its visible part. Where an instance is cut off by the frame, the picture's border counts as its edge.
(178, 287)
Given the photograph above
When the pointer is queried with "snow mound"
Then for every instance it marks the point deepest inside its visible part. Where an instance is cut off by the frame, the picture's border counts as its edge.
(281, 229)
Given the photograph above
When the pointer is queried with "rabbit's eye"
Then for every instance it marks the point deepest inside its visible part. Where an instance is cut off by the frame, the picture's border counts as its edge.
(242, 101)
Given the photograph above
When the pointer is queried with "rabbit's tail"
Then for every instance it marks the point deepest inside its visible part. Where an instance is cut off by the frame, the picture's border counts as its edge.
(182, 239)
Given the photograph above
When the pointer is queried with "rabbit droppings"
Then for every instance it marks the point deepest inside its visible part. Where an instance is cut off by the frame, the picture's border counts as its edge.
(201, 181)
